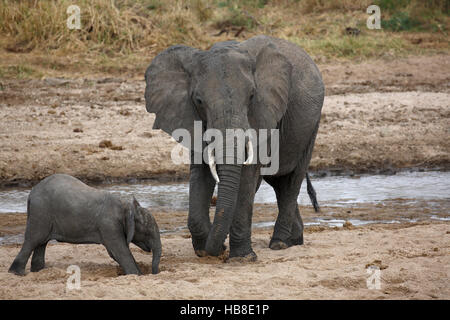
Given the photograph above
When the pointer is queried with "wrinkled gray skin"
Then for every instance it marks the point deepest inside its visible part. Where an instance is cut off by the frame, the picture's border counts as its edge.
(63, 208)
(263, 82)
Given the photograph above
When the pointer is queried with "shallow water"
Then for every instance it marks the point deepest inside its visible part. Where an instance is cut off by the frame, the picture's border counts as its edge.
(427, 190)
(331, 191)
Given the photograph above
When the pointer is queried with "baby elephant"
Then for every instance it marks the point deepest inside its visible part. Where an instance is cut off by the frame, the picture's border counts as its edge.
(63, 208)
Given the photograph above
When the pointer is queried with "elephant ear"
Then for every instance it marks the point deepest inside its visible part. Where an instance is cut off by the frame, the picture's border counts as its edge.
(131, 226)
(167, 90)
(130, 220)
(273, 80)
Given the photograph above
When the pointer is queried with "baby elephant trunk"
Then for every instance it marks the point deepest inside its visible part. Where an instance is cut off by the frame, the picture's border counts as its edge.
(156, 249)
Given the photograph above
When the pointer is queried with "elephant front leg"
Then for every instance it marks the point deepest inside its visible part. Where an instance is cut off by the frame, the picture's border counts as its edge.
(117, 247)
(201, 189)
(241, 228)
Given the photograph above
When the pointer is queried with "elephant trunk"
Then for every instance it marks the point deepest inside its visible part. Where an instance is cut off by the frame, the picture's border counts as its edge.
(227, 194)
(156, 255)
(229, 174)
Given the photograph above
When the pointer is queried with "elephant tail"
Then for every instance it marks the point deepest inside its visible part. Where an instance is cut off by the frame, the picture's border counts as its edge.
(312, 194)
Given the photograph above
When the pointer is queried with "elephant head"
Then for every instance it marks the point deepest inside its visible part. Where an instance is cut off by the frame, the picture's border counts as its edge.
(143, 231)
(230, 86)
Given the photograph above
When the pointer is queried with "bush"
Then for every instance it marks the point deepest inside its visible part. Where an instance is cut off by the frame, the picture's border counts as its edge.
(400, 21)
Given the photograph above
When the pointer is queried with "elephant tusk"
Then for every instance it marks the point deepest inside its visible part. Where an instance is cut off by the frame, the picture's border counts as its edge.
(212, 164)
(250, 153)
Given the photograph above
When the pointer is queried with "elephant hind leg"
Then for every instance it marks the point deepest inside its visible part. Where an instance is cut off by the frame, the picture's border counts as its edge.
(33, 242)
(297, 229)
(20, 262)
(288, 230)
(38, 259)
(37, 234)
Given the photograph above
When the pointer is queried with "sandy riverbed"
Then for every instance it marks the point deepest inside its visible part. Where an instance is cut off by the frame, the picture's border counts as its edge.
(413, 258)
(332, 264)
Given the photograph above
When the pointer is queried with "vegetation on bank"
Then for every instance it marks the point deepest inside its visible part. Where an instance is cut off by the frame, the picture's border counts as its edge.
(122, 36)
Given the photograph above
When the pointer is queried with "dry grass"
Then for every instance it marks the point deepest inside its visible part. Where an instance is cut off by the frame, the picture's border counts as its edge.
(122, 36)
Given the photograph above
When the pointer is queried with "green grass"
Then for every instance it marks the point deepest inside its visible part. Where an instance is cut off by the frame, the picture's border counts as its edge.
(414, 15)
(400, 21)
(19, 72)
(120, 36)
(344, 46)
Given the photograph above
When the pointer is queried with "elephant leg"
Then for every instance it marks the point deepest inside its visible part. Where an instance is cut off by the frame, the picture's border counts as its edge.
(110, 254)
(297, 229)
(288, 228)
(41, 231)
(118, 249)
(38, 259)
(241, 227)
(201, 189)
(20, 262)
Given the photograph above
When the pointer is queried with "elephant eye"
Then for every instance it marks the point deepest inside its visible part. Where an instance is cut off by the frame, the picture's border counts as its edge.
(198, 101)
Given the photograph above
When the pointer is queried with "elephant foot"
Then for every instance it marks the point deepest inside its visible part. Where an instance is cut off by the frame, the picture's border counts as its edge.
(277, 244)
(199, 247)
(296, 242)
(17, 270)
(201, 253)
(36, 267)
(250, 257)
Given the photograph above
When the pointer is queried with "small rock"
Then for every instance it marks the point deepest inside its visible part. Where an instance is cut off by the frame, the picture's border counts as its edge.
(108, 144)
(109, 80)
(77, 130)
(352, 31)
(147, 135)
(377, 264)
(348, 225)
(124, 112)
(105, 144)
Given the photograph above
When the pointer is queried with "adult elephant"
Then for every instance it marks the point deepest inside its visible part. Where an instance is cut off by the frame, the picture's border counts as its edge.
(261, 83)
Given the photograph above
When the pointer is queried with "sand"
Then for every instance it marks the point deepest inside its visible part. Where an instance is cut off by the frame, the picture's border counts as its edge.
(413, 258)
(332, 264)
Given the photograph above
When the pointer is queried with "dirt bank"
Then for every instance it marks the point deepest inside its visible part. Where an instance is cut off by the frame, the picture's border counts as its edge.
(332, 264)
(377, 115)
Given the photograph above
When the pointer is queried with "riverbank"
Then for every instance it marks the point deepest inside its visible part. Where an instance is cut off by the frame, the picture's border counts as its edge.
(332, 264)
(407, 239)
(99, 131)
